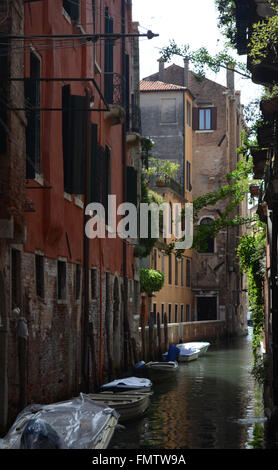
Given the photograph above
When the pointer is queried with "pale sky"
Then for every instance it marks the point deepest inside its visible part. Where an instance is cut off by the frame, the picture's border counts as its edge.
(192, 22)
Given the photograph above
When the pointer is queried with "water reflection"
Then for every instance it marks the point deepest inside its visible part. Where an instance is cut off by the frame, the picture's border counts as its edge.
(211, 403)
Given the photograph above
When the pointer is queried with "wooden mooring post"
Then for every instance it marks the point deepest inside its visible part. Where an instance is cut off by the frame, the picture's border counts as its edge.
(165, 331)
(151, 336)
(143, 337)
(159, 337)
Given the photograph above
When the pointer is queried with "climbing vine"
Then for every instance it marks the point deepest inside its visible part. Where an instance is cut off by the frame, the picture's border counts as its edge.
(251, 254)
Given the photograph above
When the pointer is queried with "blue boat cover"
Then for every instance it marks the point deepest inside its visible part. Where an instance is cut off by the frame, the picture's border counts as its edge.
(173, 353)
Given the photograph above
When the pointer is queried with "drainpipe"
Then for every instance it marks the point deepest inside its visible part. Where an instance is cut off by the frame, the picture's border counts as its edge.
(22, 333)
(86, 260)
(124, 161)
(100, 311)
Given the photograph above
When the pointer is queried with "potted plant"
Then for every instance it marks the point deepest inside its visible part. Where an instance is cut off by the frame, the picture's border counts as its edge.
(161, 170)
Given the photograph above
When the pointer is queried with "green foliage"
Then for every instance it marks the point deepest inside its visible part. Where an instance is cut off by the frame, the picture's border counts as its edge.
(151, 280)
(264, 37)
(226, 19)
(251, 254)
(202, 59)
(145, 245)
(162, 170)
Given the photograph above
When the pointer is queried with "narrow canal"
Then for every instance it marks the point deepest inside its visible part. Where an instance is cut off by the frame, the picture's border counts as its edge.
(210, 403)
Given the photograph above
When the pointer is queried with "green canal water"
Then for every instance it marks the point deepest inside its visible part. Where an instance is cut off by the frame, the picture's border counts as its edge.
(211, 403)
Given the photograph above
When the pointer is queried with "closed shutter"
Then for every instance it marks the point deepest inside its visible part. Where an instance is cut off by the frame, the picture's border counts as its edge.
(108, 59)
(214, 118)
(78, 142)
(127, 92)
(131, 184)
(30, 97)
(195, 119)
(94, 130)
(66, 129)
(74, 141)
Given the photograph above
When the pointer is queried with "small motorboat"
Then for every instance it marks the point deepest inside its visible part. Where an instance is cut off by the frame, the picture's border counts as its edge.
(187, 355)
(165, 366)
(126, 384)
(80, 423)
(128, 405)
(202, 346)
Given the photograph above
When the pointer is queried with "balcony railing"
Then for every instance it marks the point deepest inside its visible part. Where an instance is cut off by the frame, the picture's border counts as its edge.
(114, 88)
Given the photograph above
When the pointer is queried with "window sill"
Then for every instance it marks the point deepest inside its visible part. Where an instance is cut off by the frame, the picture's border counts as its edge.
(208, 131)
(68, 197)
(39, 178)
(78, 202)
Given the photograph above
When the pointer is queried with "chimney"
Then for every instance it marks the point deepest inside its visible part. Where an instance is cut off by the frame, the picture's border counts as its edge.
(230, 77)
(186, 72)
(161, 69)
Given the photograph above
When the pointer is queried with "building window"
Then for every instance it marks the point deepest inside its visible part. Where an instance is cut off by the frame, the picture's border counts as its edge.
(72, 7)
(188, 176)
(162, 263)
(182, 313)
(176, 313)
(170, 313)
(62, 280)
(188, 113)
(15, 278)
(176, 271)
(182, 272)
(188, 273)
(155, 258)
(77, 281)
(39, 260)
(170, 269)
(93, 284)
(32, 92)
(188, 313)
(209, 242)
(204, 119)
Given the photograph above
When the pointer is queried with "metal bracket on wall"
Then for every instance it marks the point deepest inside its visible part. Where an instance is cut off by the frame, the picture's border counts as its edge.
(62, 79)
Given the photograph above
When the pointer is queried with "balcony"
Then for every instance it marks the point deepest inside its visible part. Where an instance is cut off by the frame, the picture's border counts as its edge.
(114, 94)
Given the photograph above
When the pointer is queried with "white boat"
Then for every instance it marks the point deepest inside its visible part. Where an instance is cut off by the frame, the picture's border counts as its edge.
(187, 355)
(202, 346)
(162, 366)
(79, 423)
(126, 384)
(129, 406)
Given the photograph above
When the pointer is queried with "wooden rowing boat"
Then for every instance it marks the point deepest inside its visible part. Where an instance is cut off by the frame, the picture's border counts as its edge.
(129, 406)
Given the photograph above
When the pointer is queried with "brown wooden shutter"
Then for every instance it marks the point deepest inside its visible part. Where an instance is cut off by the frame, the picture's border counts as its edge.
(74, 141)
(214, 118)
(66, 130)
(78, 142)
(195, 119)
(94, 130)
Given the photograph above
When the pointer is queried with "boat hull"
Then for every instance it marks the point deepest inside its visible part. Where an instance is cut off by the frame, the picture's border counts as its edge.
(129, 406)
(201, 346)
(163, 366)
(188, 357)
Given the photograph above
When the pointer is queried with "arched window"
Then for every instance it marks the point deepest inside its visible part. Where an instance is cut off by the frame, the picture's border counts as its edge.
(209, 242)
